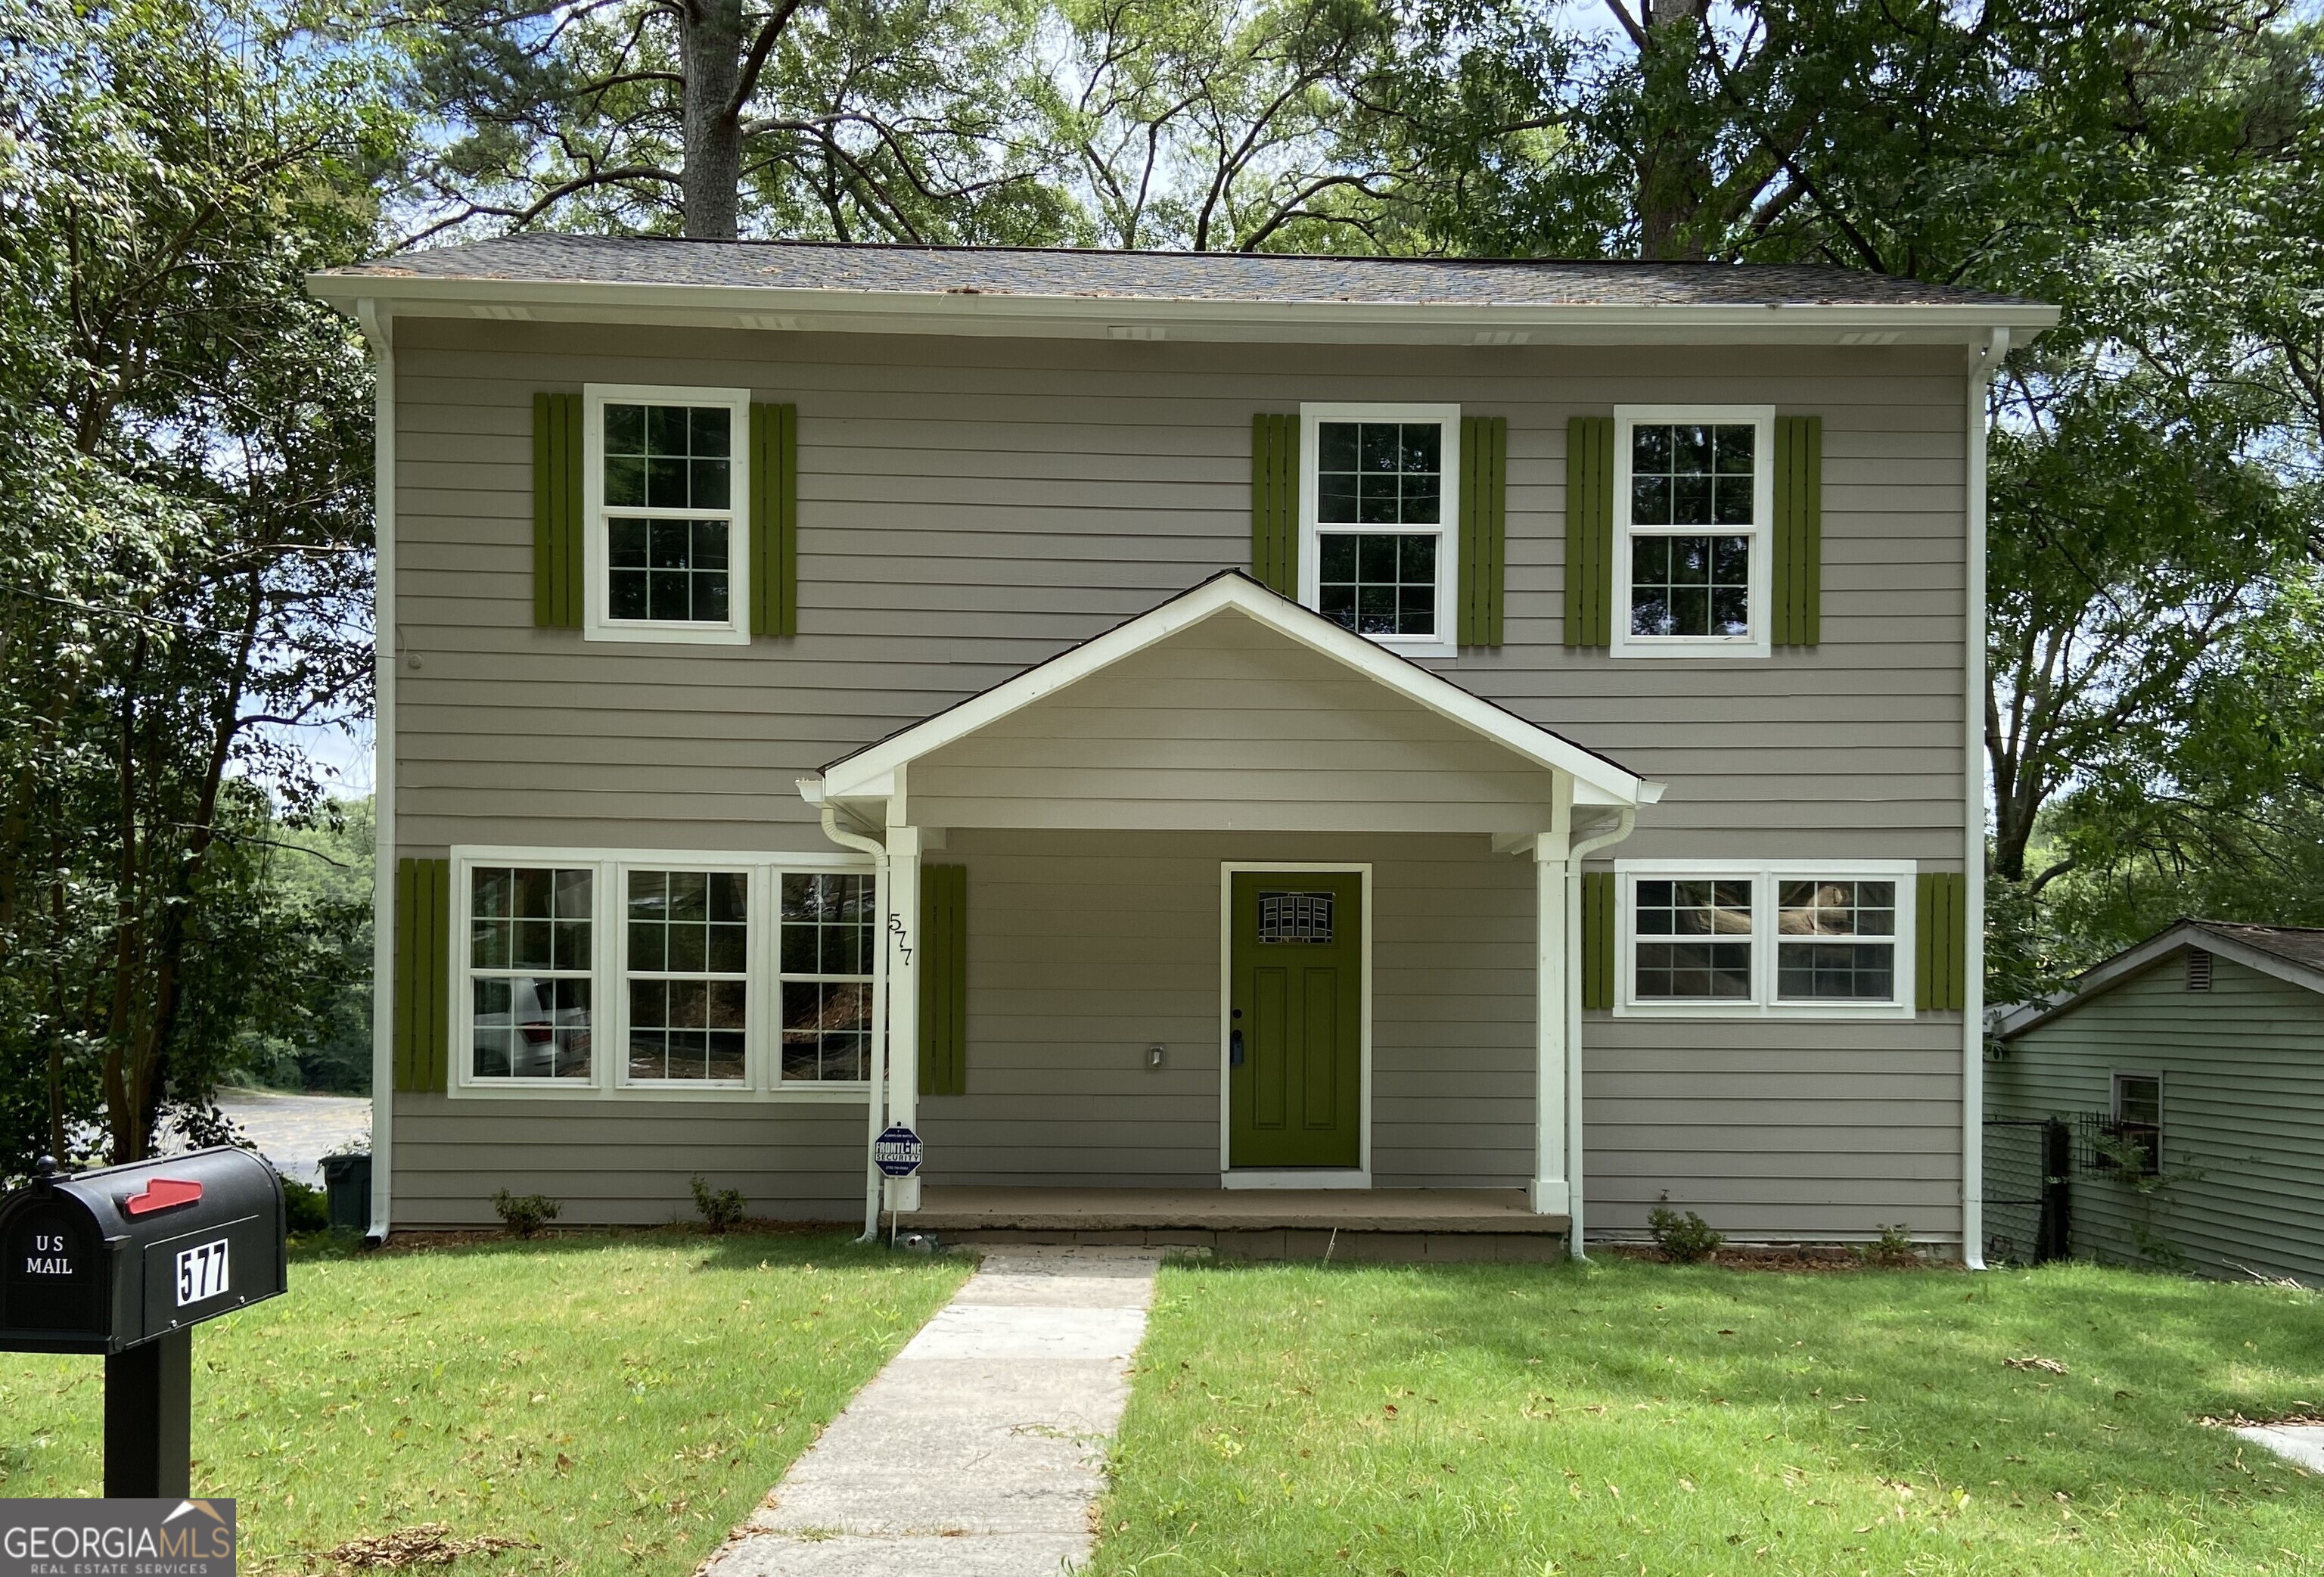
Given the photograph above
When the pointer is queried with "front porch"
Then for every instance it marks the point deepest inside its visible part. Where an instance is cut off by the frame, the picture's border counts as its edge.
(1234, 931)
(1273, 1223)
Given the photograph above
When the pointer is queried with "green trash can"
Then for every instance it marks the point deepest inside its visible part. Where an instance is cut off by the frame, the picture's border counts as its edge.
(346, 1185)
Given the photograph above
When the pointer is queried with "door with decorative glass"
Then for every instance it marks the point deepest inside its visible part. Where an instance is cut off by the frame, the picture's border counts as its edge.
(1295, 1022)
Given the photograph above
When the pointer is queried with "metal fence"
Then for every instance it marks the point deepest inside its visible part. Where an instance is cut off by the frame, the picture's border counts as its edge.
(2028, 1177)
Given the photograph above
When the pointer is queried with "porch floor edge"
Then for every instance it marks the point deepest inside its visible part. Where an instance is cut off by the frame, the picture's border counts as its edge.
(952, 1207)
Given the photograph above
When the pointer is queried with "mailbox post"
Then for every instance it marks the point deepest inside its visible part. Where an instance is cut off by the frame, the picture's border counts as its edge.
(125, 1261)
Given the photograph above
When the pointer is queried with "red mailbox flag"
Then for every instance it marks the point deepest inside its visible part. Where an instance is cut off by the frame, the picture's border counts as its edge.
(162, 1193)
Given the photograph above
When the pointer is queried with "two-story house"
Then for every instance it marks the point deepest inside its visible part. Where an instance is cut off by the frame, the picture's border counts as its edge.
(1246, 741)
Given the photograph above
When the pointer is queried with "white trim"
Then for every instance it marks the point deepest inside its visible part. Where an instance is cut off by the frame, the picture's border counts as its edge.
(827, 310)
(1228, 870)
(1551, 1191)
(1763, 876)
(379, 328)
(1976, 697)
(608, 1077)
(868, 774)
(595, 624)
(1446, 530)
(1759, 597)
(1255, 1177)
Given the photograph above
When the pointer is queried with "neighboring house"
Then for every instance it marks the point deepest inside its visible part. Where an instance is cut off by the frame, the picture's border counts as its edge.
(1228, 723)
(2191, 1069)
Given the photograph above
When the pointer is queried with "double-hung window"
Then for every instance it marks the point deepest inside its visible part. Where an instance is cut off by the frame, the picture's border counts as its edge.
(713, 977)
(2137, 1125)
(665, 534)
(1694, 500)
(1783, 938)
(1378, 499)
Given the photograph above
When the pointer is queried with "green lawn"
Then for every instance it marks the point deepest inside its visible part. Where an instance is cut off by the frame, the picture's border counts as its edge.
(1630, 1418)
(617, 1401)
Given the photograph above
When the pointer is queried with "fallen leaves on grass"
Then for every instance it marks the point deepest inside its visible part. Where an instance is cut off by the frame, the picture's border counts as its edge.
(2245, 1421)
(2046, 1365)
(423, 1543)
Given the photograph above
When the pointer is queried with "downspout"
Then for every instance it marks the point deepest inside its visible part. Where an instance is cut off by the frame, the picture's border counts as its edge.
(1624, 826)
(876, 1108)
(1984, 361)
(378, 330)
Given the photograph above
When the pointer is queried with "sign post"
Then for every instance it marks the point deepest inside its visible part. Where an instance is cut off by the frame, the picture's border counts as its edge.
(897, 1153)
(125, 1262)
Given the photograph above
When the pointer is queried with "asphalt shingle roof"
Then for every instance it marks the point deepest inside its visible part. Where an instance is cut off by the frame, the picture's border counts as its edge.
(2300, 944)
(1178, 276)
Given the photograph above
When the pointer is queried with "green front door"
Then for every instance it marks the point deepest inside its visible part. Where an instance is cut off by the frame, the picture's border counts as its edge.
(1294, 1026)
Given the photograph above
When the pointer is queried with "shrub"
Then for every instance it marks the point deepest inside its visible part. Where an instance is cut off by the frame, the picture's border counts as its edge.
(720, 1210)
(525, 1213)
(1684, 1239)
(304, 1209)
(1893, 1247)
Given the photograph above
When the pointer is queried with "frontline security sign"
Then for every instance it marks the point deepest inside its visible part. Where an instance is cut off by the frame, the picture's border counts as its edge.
(116, 1538)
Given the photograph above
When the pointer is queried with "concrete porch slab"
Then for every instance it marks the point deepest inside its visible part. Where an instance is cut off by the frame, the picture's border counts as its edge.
(1430, 1211)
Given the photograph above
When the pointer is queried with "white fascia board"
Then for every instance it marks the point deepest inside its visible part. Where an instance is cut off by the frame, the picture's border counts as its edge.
(850, 311)
(870, 774)
(2102, 978)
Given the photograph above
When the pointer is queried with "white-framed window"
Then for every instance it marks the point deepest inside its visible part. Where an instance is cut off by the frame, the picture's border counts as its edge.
(1694, 495)
(2136, 1124)
(1380, 495)
(666, 537)
(644, 974)
(1784, 938)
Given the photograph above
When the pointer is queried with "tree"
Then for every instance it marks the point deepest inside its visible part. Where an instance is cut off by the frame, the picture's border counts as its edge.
(855, 119)
(185, 522)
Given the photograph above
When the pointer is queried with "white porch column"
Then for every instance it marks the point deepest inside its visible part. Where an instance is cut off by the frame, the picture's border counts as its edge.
(1550, 1193)
(900, 932)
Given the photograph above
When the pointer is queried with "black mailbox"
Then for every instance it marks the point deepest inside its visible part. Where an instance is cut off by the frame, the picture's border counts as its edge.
(108, 1260)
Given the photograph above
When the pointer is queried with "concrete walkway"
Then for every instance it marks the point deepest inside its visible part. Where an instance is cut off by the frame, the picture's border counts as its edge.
(980, 1451)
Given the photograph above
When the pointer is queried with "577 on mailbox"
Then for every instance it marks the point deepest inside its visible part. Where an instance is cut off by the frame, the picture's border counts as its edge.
(108, 1260)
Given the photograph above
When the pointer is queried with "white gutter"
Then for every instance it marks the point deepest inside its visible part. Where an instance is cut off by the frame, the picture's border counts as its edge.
(378, 329)
(875, 1113)
(785, 308)
(1984, 362)
(1626, 823)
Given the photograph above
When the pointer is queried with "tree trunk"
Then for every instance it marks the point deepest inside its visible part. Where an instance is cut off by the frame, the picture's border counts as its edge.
(711, 43)
(1674, 175)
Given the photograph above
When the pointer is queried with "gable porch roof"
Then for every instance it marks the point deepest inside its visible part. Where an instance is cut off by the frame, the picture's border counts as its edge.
(872, 772)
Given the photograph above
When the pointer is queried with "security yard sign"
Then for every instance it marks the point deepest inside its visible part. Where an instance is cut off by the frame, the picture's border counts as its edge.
(898, 1152)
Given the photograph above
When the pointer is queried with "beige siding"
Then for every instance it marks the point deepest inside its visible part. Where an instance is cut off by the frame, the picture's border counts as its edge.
(1230, 724)
(2243, 1106)
(1085, 948)
(970, 508)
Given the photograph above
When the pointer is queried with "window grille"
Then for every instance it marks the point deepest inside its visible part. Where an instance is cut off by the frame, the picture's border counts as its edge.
(1294, 917)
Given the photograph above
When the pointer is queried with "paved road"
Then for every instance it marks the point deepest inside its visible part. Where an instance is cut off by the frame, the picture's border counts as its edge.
(296, 1132)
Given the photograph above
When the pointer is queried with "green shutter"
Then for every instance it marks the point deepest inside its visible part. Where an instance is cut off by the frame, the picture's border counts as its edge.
(1597, 939)
(1275, 502)
(421, 1026)
(1484, 517)
(774, 520)
(944, 980)
(1941, 943)
(557, 449)
(1589, 530)
(1798, 545)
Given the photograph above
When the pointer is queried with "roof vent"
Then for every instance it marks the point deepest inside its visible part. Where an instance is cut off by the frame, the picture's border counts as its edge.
(1871, 337)
(2198, 970)
(503, 313)
(773, 321)
(1502, 336)
(1136, 330)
